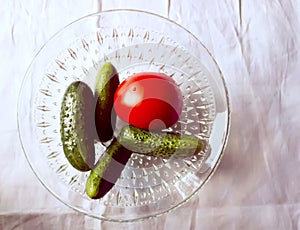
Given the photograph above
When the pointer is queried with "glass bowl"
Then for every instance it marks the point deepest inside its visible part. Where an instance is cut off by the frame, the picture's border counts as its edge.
(133, 41)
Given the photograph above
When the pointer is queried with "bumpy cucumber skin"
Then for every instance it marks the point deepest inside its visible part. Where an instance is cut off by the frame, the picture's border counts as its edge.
(107, 170)
(105, 116)
(77, 128)
(159, 144)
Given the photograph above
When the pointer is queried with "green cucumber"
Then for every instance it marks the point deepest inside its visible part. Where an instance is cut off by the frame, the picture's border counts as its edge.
(105, 116)
(107, 170)
(77, 129)
(159, 144)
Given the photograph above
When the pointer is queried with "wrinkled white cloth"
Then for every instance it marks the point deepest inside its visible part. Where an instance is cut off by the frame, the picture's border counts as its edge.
(256, 44)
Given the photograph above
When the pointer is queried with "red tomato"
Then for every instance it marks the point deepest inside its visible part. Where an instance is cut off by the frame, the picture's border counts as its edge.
(148, 101)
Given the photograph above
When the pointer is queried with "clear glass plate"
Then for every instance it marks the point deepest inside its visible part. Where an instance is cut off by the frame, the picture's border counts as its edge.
(133, 41)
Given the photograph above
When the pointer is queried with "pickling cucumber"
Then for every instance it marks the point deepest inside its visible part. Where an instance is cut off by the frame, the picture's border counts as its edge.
(105, 116)
(107, 170)
(159, 144)
(77, 126)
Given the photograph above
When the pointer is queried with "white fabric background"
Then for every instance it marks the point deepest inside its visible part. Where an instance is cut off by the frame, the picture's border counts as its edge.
(255, 42)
